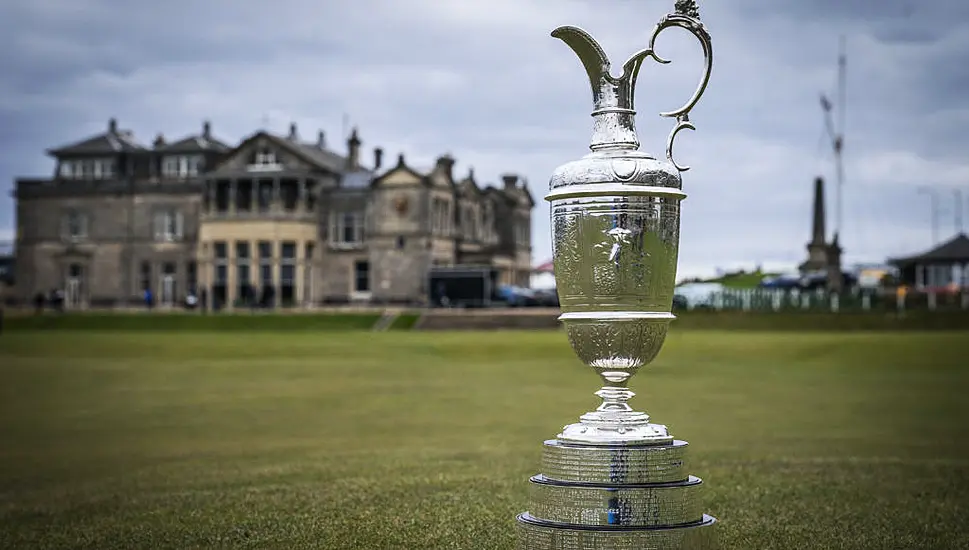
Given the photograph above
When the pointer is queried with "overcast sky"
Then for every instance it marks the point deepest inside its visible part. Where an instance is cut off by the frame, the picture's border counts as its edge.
(484, 81)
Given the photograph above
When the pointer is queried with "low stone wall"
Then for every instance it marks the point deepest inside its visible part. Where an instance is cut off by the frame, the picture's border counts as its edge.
(489, 319)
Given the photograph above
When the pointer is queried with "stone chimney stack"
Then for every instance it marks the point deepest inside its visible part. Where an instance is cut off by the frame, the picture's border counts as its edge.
(353, 150)
(321, 140)
(510, 180)
(113, 125)
(446, 165)
(206, 130)
(293, 134)
(378, 157)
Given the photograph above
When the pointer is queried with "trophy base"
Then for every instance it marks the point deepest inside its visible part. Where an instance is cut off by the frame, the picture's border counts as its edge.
(615, 496)
(614, 464)
(610, 433)
(536, 534)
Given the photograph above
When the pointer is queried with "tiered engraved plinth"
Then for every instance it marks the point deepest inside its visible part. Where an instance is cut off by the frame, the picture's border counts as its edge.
(620, 497)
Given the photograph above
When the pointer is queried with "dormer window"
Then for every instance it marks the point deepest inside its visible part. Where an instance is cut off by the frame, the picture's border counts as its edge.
(182, 166)
(265, 156)
(87, 169)
(264, 160)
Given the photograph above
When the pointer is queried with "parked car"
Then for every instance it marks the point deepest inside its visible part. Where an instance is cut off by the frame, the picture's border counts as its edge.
(547, 297)
(516, 296)
(787, 281)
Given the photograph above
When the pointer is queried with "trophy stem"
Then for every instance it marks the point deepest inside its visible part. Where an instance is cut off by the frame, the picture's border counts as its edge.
(615, 422)
(615, 400)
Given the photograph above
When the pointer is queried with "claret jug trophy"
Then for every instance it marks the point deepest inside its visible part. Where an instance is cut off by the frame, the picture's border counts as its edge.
(614, 479)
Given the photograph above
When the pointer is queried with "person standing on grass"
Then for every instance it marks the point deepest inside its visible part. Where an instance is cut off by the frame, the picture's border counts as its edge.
(148, 299)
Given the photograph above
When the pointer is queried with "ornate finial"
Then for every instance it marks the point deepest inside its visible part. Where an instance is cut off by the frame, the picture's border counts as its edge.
(688, 8)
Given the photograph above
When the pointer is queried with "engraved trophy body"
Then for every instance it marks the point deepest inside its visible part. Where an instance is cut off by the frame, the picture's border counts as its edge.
(614, 479)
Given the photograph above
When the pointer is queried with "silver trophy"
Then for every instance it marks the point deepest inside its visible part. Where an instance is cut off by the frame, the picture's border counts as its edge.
(614, 479)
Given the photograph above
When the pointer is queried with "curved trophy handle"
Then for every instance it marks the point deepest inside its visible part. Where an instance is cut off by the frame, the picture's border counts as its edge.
(687, 16)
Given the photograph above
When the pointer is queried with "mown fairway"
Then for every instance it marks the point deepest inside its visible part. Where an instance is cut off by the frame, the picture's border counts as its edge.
(426, 440)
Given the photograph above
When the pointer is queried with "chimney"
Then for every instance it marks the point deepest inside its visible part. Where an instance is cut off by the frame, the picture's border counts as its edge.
(446, 164)
(206, 130)
(400, 160)
(353, 150)
(293, 135)
(321, 140)
(113, 125)
(510, 180)
(378, 157)
(159, 141)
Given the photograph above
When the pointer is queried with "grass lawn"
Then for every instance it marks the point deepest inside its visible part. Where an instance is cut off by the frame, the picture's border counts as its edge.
(426, 440)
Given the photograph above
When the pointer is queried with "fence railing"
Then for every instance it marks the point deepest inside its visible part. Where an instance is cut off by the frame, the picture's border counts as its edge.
(768, 299)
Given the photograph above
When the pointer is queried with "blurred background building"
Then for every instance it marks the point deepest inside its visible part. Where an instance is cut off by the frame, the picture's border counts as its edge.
(274, 220)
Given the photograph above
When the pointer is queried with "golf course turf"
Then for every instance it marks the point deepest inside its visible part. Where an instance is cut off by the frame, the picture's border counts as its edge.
(354, 439)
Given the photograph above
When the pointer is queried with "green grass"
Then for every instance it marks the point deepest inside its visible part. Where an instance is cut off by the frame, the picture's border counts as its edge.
(143, 321)
(790, 320)
(426, 440)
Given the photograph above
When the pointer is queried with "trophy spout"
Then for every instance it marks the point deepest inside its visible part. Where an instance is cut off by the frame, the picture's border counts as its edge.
(612, 97)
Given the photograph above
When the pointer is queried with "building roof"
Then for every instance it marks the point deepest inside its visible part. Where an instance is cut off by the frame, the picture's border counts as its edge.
(198, 143)
(954, 250)
(112, 141)
(324, 158)
(545, 267)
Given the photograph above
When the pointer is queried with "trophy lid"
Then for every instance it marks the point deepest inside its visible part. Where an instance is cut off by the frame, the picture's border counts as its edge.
(615, 156)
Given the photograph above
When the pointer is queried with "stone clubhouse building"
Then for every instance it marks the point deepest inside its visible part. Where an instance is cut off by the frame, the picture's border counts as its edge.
(275, 220)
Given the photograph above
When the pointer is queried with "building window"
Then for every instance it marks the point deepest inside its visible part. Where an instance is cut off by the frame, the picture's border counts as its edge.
(88, 169)
(192, 277)
(244, 291)
(347, 229)
(265, 160)
(287, 274)
(290, 191)
(265, 195)
(265, 156)
(266, 273)
(74, 286)
(75, 226)
(145, 276)
(169, 226)
(308, 273)
(167, 285)
(361, 276)
(219, 286)
(182, 166)
(440, 216)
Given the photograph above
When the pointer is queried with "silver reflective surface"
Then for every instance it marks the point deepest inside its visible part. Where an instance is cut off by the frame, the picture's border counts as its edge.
(615, 218)
(653, 505)
(614, 465)
(535, 534)
(615, 480)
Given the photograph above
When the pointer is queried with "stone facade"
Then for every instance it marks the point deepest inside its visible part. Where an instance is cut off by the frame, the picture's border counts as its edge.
(273, 221)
